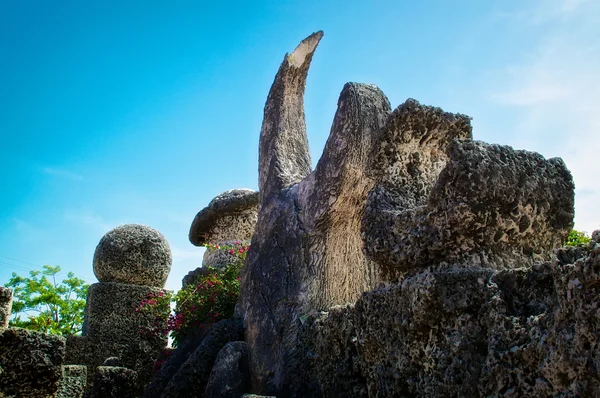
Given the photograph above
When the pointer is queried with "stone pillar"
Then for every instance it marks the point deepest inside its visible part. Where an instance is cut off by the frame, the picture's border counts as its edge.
(5, 306)
(228, 218)
(131, 262)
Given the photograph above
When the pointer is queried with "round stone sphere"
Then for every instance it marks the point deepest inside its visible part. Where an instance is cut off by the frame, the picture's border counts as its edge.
(134, 254)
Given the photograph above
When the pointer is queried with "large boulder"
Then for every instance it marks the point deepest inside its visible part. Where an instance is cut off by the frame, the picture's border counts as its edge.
(230, 375)
(133, 254)
(173, 363)
(440, 197)
(115, 382)
(193, 375)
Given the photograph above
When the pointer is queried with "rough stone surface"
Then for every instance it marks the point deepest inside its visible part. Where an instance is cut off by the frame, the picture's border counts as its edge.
(230, 376)
(192, 377)
(306, 251)
(173, 363)
(5, 306)
(31, 363)
(76, 350)
(73, 381)
(408, 187)
(193, 276)
(257, 396)
(112, 361)
(229, 216)
(133, 254)
(113, 327)
(115, 382)
(526, 332)
(443, 198)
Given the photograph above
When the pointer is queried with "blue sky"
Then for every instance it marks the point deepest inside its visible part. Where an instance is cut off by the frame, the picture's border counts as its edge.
(142, 112)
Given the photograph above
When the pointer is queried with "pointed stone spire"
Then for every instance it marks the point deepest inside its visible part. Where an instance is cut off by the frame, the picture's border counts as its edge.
(284, 156)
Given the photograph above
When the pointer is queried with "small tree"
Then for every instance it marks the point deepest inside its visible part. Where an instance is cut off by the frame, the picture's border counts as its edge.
(577, 238)
(51, 307)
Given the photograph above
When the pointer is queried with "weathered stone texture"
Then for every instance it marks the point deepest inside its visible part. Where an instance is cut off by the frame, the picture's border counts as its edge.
(229, 216)
(173, 363)
(73, 381)
(133, 254)
(408, 187)
(31, 363)
(193, 375)
(115, 382)
(482, 205)
(306, 251)
(230, 376)
(5, 306)
(113, 327)
(524, 332)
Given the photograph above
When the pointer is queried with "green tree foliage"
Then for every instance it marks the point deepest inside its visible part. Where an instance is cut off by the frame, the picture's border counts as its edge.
(50, 306)
(577, 238)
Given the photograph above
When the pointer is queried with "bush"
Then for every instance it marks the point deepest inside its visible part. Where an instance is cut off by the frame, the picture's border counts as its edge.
(209, 298)
(577, 238)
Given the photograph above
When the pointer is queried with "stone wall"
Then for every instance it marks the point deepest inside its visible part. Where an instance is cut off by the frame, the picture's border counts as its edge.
(526, 332)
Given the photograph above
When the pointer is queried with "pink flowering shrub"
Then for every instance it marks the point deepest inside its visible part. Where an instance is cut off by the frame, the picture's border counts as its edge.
(209, 298)
(156, 309)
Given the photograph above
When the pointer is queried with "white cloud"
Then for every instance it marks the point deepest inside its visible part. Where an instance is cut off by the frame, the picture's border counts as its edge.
(89, 219)
(62, 173)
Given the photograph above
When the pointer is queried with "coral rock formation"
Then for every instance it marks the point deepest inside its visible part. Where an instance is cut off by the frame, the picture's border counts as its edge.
(306, 250)
(133, 254)
(396, 196)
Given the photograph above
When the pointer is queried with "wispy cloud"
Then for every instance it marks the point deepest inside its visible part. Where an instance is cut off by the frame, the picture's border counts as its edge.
(556, 92)
(62, 173)
(544, 11)
(180, 254)
(89, 219)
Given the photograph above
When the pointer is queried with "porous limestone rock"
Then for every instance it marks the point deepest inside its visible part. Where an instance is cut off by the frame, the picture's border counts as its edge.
(115, 382)
(306, 251)
(113, 327)
(192, 376)
(73, 381)
(173, 363)
(230, 376)
(30, 363)
(440, 197)
(133, 254)
(407, 189)
(5, 306)
(229, 217)
(112, 361)
(526, 332)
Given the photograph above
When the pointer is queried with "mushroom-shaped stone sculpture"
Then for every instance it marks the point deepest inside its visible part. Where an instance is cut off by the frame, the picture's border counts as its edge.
(133, 254)
(229, 217)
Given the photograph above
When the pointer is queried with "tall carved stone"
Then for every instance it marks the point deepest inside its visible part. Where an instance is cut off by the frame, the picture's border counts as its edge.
(306, 251)
(131, 261)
